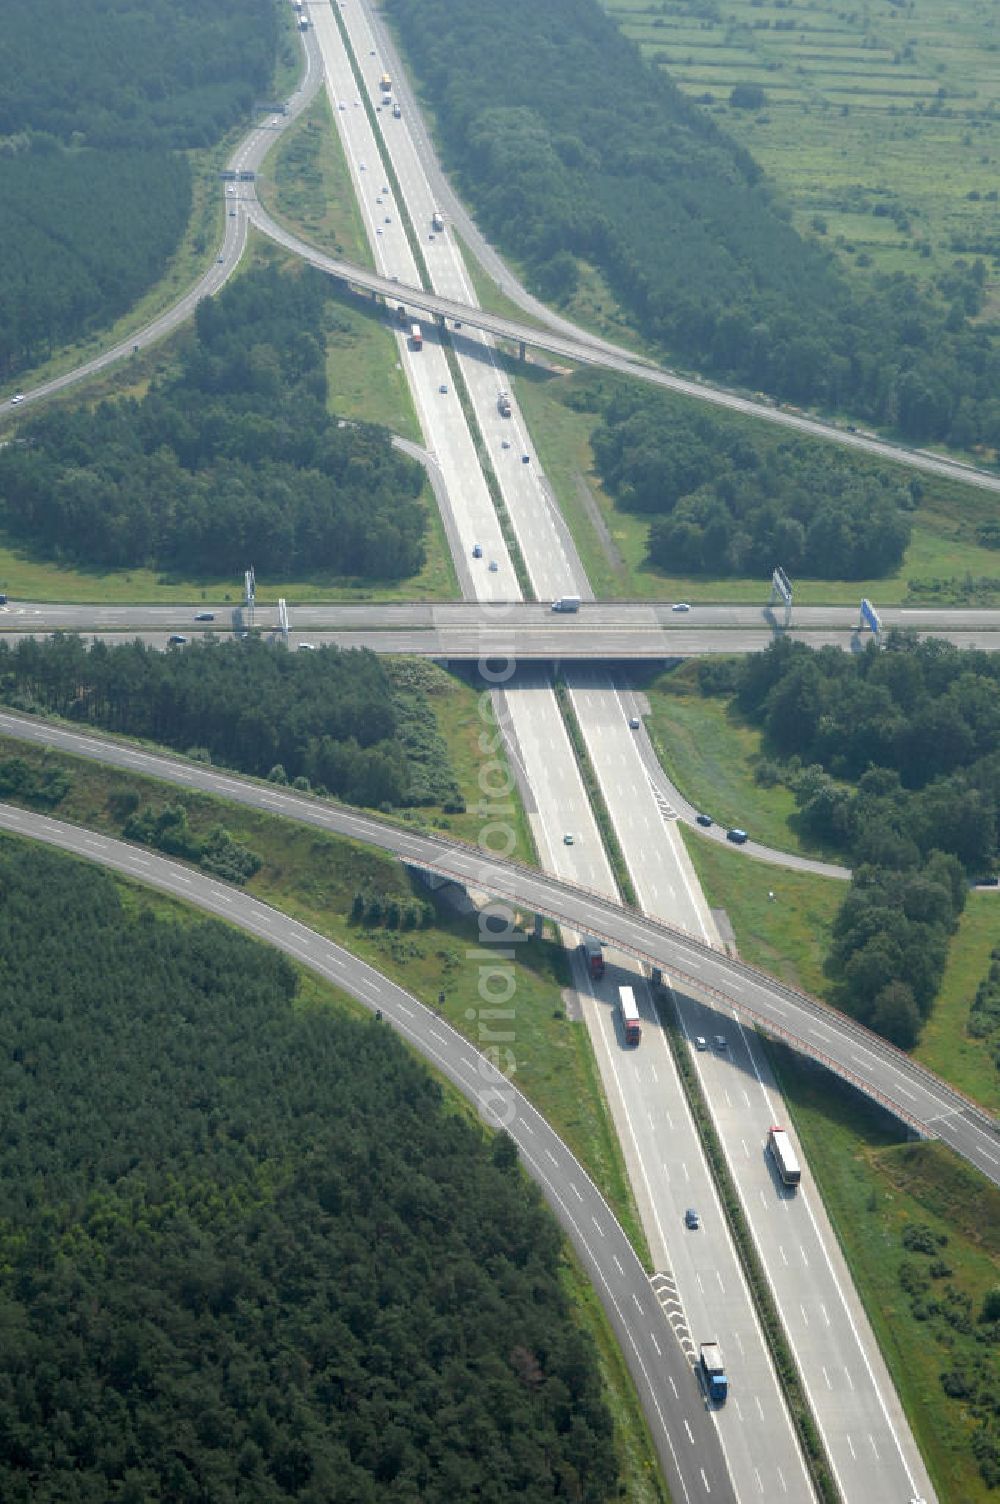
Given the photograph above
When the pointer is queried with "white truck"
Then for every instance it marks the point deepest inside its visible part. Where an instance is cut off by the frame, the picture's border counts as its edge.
(566, 603)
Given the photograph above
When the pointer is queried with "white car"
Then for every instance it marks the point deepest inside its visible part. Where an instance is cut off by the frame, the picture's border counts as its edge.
(17, 397)
(307, 647)
(681, 606)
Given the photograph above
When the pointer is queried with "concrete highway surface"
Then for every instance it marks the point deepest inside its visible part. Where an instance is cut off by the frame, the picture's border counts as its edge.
(556, 798)
(680, 1419)
(763, 1457)
(599, 630)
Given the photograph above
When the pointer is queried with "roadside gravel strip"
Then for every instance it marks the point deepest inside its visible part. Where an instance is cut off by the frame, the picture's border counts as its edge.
(928, 1104)
(662, 1373)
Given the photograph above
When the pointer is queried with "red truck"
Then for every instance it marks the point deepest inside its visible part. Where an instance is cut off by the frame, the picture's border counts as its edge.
(595, 957)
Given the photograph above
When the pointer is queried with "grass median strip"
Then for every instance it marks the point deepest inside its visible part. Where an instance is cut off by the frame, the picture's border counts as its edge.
(590, 782)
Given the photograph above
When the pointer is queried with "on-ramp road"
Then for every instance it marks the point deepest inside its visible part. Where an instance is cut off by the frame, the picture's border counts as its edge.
(915, 1094)
(681, 1423)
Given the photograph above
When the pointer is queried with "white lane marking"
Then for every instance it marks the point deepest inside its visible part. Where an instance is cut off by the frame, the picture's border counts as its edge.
(688, 1430)
(597, 1224)
(617, 1264)
(573, 1187)
(826, 1376)
(850, 1443)
(552, 1156)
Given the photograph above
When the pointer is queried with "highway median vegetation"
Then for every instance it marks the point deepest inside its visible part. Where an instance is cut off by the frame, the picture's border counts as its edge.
(98, 107)
(232, 459)
(224, 1204)
(578, 151)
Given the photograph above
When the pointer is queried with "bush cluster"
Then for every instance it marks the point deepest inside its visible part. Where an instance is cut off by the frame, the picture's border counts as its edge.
(724, 500)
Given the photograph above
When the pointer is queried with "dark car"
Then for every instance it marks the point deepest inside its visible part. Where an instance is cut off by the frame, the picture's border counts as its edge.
(691, 1218)
(705, 820)
(205, 616)
(737, 836)
(176, 640)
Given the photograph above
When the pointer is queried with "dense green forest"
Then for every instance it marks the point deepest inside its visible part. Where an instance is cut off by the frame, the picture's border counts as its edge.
(97, 100)
(726, 499)
(246, 1251)
(331, 720)
(230, 460)
(577, 148)
(892, 755)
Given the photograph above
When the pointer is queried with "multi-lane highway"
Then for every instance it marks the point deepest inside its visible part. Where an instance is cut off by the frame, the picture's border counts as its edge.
(618, 757)
(578, 345)
(599, 631)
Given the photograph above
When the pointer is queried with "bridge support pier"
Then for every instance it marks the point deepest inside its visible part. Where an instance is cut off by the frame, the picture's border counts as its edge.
(537, 930)
(520, 350)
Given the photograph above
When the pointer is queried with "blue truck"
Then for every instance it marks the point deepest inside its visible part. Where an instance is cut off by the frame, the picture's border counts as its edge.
(713, 1373)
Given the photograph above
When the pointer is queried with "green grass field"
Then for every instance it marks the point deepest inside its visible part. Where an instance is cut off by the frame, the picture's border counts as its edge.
(305, 182)
(945, 1045)
(873, 1186)
(710, 752)
(787, 935)
(943, 564)
(882, 106)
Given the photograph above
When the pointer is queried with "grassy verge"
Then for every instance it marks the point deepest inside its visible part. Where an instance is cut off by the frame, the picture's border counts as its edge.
(788, 935)
(767, 1312)
(944, 1045)
(712, 754)
(314, 878)
(592, 785)
(875, 1186)
(458, 708)
(306, 184)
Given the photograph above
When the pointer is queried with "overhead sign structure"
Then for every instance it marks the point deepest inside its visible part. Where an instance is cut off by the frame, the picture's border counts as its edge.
(870, 618)
(249, 595)
(781, 590)
(283, 621)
